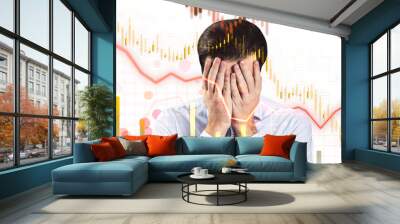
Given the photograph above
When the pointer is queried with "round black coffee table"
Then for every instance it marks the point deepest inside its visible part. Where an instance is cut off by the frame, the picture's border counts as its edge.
(238, 179)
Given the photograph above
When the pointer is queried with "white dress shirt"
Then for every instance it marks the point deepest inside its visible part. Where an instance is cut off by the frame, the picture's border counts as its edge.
(270, 118)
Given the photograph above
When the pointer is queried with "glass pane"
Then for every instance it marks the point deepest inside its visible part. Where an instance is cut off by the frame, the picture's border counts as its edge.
(395, 129)
(62, 138)
(6, 142)
(62, 89)
(395, 94)
(379, 55)
(81, 131)
(379, 135)
(33, 139)
(34, 79)
(35, 21)
(62, 29)
(81, 45)
(395, 47)
(7, 14)
(379, 98)
(6, 74)
(81, 81)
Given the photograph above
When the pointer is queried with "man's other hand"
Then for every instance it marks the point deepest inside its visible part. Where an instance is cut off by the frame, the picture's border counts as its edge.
(217, 96)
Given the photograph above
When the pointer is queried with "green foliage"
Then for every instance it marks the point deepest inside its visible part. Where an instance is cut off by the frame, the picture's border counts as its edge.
(97, 106)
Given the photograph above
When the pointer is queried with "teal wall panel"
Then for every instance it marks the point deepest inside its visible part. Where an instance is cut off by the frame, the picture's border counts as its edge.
(24, 178)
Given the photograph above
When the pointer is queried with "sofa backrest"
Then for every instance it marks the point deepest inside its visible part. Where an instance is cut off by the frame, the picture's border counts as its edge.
(205, 145)
(249, 145)
(191, 146)
(83, 152)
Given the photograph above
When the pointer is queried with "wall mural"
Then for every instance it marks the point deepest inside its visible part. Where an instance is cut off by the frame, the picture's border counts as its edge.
(161, 88)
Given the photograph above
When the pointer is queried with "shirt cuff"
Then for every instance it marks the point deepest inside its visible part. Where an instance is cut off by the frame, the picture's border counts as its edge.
(205, 134)
(258, 134)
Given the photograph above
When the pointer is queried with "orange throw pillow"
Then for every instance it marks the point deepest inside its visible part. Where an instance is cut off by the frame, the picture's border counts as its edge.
(161, 145)
(135, 137)
(103, 152)
(116, 145)
(277, 145)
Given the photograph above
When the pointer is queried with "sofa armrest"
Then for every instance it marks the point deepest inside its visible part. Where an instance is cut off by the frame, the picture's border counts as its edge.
(83, 152)
(298, 155)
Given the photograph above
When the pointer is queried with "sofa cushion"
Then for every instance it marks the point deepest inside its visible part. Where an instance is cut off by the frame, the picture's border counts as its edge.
(116, 145)
(111, 171)
(103, 152)
(257, 163)
(134, 147)
(249, 145)
(161, 145)
(205, 145)
(131, 158)
(277, 145)
(185, 163)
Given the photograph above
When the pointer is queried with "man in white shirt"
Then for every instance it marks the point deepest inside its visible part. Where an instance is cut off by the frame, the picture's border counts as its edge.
(231, 59)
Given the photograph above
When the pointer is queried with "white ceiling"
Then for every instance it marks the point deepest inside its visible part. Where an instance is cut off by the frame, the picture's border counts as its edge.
(316, 15)
(320, 9)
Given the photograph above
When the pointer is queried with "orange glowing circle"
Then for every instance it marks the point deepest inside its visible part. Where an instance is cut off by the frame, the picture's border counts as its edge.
(148, 95)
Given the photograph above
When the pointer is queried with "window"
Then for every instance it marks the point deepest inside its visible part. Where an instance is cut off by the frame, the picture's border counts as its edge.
(30, 87)
(81, 81)
(7, 14)
(3, 72)
(62, 137)
(385, 92)
(37, 89)
(6, 142)
(395, 47)
(6, 73)
(30, 72)
(3, 61)
(46, 76)
(81, 45)
(3, 78)
(35, 21)
(61, 75)
(37, 75)
(44, 91)
(62, 29)
(33, 148)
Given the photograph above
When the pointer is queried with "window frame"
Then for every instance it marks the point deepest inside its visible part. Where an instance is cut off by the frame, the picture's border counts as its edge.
(388, 74)
(16, 115)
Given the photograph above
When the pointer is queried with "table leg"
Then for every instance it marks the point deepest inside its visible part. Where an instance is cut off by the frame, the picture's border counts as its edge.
(188, 190)
(245, 193)
(217, 194)
(195, 188)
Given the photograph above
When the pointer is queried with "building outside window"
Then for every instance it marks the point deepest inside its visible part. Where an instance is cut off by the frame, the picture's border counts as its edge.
(30, 87)
(3, 78)
(3, 71)
(30, 72)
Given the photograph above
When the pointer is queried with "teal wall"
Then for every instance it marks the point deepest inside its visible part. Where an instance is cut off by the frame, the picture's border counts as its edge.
(24, 178)
(356, 103)
(99, 16)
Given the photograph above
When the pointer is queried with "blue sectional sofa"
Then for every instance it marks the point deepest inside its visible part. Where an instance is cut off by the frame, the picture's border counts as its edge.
(125, 176)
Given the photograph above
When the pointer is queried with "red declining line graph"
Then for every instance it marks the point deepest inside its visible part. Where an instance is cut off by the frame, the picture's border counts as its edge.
(314, 120)
(174, 75)
(147, 76)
